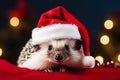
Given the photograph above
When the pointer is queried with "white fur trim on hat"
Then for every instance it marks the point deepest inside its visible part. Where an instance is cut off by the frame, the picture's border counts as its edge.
(55, 31)
(88, 62)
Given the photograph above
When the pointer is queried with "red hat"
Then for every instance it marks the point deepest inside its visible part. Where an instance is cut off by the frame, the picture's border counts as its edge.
(59, 23)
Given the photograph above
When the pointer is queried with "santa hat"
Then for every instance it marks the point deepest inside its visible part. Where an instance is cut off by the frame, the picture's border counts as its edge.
(59, 23)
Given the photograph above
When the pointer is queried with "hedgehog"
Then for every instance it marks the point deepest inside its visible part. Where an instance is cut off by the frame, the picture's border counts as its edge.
(58, 54)
(59, 42)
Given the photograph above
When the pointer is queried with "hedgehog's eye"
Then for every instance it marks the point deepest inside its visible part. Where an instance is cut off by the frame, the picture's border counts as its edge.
(66, 47)
(78, 44)
(50, 47)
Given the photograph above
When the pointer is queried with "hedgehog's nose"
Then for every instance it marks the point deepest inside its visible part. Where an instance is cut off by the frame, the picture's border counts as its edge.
(59, 57)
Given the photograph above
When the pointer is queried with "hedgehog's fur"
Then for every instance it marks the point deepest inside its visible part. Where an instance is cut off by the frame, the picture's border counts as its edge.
(38, 57)
(26, 52)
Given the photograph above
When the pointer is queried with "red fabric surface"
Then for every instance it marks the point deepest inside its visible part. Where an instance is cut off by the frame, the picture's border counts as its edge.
(9, 71)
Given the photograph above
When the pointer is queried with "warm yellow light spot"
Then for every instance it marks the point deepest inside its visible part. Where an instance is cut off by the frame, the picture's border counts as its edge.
(108, 24)
(100, 59)
(14, 21)
(104, 39)
(119, 57)
(1, 51)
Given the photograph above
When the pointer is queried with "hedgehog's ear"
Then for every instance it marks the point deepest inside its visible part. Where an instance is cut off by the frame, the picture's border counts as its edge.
(36, 47)
(77, 44)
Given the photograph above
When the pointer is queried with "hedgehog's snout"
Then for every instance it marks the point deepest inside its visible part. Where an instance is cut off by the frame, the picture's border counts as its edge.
(59, 57)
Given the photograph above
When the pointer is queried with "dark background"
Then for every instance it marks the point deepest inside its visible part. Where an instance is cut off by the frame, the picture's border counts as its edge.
(91, 13)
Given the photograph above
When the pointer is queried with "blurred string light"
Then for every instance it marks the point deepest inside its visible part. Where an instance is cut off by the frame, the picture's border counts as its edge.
(108, 24)
(14, 21)
(1, 52)
(100, 59)
(104, 39)
(118, 58)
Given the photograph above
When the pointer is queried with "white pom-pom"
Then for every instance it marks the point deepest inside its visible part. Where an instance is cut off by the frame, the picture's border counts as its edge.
(88, 62)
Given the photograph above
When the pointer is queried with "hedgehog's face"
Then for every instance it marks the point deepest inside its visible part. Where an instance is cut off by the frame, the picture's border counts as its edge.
(68, 52)
(60, 50)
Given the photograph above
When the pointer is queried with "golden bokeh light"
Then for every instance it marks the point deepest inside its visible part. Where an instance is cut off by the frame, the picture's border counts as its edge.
(108, 24)
(14, 21)
(1, 51)
(118, 58)
(100, 59)
(104, 40)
